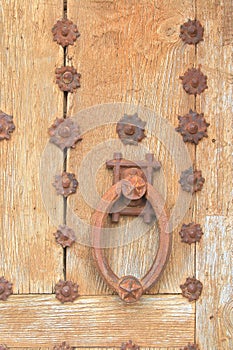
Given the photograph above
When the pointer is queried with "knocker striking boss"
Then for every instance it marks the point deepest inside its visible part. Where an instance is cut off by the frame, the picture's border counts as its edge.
(132, 193)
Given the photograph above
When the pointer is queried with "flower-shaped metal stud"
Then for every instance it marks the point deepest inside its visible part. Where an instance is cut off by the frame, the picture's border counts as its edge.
(194, 81)
(65, 236)
(5, 289)
(65, 184)
(62, 346)
(191, 289)
(191, 32)
(65, 32)
(129, 346)
(191, 181)
(191, 233)
(130, 289)
(66, 291)
(193, 127)
(67, 78)
(191, 347)
(6, 126)
(131, 129)
(64, 133)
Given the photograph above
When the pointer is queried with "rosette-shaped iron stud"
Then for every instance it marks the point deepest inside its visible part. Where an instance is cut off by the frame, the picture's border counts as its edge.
(131, 129)
(6, 126)
(65, 133)
(193, 127)
(5, 289)
(191, 181)
(191, 32)
(191, 233)
(129, 346)
(194, 81)
(67, 78)
(66, 291)
(65, 32)
(62, 346)
(65, 236)
(65, 184)
(191, 289)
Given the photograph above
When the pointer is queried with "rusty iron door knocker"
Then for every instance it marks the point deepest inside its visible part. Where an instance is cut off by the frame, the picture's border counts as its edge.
(133, 183)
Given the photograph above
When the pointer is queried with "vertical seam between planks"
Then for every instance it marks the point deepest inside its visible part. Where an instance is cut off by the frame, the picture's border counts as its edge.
(195, 200)
(65, 97)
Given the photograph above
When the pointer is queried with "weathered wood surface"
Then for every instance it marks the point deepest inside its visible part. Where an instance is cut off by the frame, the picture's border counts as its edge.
(28, 255)
(214, 210)
(29, 321)
(92, 348)
(129, 52)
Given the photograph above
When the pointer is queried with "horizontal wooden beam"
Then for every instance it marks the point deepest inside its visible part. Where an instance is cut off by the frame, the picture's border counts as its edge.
(42, 321)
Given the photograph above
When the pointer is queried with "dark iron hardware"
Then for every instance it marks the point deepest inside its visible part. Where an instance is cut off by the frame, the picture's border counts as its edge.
(191, 233)
(65, 32)
(192, 288)
(193, 127)
(191, 32)
(66, 291)
(194, 81)
(132, 183)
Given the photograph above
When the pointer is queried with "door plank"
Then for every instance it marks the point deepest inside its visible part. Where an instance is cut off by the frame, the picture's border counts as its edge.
(96, 321)
(129, 52)
(29, 256)
(214, 208)
(92, 348)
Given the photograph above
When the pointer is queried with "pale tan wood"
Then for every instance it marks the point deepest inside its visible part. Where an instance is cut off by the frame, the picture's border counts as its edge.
(97, 348)
(29, 257)
(130, 52)
(142, 348)
(214, 209)
(96, 321)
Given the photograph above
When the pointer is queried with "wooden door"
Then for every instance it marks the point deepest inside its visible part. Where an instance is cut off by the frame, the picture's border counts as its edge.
(130, 57)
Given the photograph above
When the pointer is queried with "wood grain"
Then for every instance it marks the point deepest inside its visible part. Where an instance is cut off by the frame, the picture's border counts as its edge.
(28, 256)
(214, 210)
(130, 52)
(92, 348)
(96, 322)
